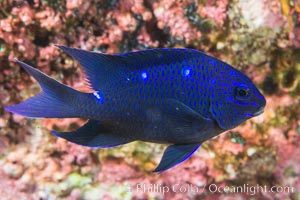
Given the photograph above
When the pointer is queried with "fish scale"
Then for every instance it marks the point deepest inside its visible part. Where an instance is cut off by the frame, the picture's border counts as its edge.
(161, 90)
(180, 97)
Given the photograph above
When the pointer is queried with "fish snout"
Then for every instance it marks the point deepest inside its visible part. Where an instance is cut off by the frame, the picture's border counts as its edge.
(262, 103)
(260, 111)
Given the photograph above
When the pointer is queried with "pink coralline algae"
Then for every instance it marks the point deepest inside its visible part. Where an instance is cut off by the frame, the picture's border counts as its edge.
(295, 36)
(215, 12)
(288, 168)
(170, 15)
(25, 14)
(262, 13)
(48, 19)
(72, 4)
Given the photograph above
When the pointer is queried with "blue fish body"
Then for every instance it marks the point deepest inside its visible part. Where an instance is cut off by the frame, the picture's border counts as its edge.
(181, 97)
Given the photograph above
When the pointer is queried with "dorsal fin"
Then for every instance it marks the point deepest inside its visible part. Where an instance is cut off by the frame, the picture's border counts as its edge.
(139, 60)
(99, 68)
(102, 69)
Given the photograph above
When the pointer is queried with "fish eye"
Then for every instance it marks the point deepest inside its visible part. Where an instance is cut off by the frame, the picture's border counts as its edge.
(242, 92)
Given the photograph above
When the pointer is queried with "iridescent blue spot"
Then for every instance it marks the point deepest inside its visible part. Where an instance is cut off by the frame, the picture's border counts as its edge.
(144, 75)
(186, 71)
(98, 96)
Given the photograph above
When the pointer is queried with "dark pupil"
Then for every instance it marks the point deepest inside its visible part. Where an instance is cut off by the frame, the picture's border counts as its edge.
(242, 93)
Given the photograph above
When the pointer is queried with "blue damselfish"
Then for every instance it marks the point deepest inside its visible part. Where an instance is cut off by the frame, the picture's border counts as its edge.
(181, 97)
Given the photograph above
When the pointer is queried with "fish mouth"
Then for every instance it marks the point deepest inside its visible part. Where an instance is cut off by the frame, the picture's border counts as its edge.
(260, 111)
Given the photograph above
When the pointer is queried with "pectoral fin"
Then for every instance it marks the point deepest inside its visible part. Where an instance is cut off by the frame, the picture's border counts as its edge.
(93, 134)
(176, 154)
(183, 122)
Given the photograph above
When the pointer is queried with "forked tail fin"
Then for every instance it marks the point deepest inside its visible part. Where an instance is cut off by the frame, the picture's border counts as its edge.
(55, 101)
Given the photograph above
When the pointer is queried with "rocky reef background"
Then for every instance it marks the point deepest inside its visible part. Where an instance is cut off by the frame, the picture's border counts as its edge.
(259, 37)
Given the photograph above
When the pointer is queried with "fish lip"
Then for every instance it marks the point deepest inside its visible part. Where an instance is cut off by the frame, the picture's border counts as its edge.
(260, 111)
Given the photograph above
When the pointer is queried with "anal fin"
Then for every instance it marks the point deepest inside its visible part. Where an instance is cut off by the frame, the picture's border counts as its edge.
(175, 154)
(94, 135)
